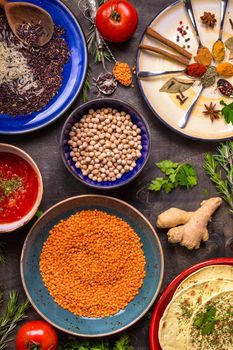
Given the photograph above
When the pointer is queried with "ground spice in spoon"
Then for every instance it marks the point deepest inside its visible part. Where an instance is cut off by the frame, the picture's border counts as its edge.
(122, 73)
(204, 56)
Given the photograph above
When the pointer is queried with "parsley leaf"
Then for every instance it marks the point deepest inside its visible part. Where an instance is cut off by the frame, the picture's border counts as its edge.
(123, 343)
(167, 166)
(183, 175)
(227, 111)
(206, 321)
(186, 176)
(39, 213)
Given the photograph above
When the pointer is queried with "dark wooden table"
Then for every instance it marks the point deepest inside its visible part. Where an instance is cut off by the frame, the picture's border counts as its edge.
(59, 184)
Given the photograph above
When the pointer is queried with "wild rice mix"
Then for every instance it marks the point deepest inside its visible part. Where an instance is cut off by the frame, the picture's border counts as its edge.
(29, 76)
(93, 264)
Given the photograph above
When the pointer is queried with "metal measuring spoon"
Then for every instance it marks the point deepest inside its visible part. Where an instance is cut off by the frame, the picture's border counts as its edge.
(183, 122)
(189, 9)
(105, 82)
(225, 87)
(144, 74)
(224, 4)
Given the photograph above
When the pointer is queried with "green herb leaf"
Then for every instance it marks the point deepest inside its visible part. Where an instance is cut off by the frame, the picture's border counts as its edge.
(167, 166)
(13, 313)
(186, 176)
(39, 213)
(227, 112)
(183, 175)
(2, 253)
(206, 320)
(219, 167)
(123, 343)
(157, 184)
(206, 192)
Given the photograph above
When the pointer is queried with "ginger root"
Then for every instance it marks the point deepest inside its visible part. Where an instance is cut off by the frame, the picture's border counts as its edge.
(192, 227)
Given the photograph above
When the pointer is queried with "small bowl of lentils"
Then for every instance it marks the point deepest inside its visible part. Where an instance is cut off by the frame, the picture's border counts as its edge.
(105, 143)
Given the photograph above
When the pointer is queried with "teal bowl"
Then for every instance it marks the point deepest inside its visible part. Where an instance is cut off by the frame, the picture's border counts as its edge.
(64, 320)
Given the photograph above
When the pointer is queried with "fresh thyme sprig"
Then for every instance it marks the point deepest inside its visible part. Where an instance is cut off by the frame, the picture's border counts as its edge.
(219, 167)
(13, 313)
(93, 47)
(86, 87)
(2, 253)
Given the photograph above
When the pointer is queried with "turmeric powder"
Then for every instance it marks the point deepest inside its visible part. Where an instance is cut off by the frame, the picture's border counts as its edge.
(93, 264)
(225, 69)
(122, 73)
(204, 56)
(218, 51)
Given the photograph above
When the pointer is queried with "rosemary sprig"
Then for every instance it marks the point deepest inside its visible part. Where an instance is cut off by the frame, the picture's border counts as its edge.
(13, 313)
(93, 47)
(219, 167)
(86, 87)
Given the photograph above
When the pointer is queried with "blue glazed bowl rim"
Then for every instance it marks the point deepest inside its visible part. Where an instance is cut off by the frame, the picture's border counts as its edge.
(108, 101)
(124, 204)
(76, 94)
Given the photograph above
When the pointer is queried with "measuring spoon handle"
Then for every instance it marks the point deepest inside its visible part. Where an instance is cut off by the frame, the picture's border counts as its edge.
(183, 122)
(189, 9)
(224, 4)
(144, 74)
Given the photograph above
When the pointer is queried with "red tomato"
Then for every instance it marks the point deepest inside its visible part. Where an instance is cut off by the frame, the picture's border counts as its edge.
(36, 335)
(116, 20)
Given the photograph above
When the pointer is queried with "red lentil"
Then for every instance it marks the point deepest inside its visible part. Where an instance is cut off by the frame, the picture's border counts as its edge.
(93, 264)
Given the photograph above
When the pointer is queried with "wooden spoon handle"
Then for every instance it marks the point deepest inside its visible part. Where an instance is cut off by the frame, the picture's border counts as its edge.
(3, 3)
(179, 59)
(151, 32)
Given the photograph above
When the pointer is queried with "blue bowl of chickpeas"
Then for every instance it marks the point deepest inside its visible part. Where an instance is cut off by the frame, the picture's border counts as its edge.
(105, 143)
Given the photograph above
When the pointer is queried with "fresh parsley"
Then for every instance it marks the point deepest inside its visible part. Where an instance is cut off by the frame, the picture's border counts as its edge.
(205, 321)
(227, 111)
(177, 175)
(39, 213)
(123, 343)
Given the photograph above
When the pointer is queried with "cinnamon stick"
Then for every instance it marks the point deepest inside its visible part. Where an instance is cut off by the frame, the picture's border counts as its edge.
(177, 58)
(152, 33)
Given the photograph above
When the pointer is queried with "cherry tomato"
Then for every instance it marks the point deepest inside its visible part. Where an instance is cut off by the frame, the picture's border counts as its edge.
(116, 20)
(36, 335)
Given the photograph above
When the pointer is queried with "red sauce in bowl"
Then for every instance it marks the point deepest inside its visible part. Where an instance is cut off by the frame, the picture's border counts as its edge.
(18, 187)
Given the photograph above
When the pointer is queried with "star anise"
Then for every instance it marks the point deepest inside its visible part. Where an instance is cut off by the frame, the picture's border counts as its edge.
(212, 112)
(209, 19)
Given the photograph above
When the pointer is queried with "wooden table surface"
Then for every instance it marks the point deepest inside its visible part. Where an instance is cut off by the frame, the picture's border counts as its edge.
(59, 184)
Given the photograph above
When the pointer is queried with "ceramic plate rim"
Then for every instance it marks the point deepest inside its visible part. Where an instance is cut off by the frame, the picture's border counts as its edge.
(86, 63)
(179, 132)
(123, 327)
(176, 281)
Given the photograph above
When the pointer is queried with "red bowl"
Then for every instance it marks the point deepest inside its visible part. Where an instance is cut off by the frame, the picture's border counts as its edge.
(168, 294)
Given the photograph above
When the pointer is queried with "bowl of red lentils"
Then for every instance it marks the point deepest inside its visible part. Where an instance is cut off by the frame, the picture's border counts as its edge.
(92, 265)
(105, 143)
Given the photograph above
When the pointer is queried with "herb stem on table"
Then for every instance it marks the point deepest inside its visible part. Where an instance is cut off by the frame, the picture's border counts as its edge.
(219, 167)
(13, 313)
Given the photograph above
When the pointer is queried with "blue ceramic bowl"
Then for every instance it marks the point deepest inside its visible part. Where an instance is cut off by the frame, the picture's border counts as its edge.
(65, 320)
(137, 119)
(73, 75)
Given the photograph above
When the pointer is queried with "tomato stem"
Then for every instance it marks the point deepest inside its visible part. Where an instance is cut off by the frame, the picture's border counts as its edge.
(31, 345)
(115, 15)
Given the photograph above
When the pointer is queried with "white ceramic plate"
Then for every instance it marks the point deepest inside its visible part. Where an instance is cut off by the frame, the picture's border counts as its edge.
(166, 106)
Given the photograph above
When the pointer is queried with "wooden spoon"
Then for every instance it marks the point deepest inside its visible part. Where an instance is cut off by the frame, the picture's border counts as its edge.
(19, 13)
